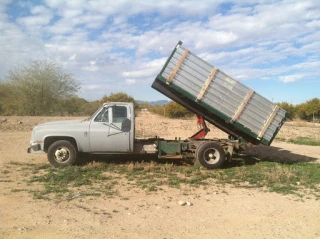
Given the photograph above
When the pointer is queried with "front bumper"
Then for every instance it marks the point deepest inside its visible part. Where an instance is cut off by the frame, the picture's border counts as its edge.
(34, 148)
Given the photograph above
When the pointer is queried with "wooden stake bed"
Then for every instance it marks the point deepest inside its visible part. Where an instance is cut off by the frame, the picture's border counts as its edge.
(218, 98)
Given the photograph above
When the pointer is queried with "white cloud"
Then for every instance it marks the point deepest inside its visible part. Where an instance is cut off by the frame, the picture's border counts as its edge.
(308, 65)
(291, 78)
(148, 69)
(40, 16)
(73, 57)
(130, 81)
(90, 68)
(61, 27)
(41, 10)
(71, 13)
(216, 38)
(91, 87)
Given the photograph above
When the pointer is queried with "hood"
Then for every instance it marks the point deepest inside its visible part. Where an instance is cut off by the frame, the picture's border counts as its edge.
(65, 125)
(62, 122)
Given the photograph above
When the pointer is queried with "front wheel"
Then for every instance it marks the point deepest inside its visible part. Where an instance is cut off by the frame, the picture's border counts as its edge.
(210, 155)
(62, 153)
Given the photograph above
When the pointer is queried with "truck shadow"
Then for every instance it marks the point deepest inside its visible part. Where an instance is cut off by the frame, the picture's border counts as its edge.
(262, 153)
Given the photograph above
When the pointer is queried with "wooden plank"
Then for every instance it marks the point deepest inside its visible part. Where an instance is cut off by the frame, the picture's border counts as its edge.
(265, 127)
(206, 85)
(176, 68)
(243, 104)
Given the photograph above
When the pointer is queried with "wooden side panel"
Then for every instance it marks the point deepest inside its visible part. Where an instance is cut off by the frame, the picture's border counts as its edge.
(265, 127)
(244, 103)
(208, 81)
(175, 70)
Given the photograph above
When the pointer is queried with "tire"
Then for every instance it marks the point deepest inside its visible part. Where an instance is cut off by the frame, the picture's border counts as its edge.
(210, 155)
(62, 153)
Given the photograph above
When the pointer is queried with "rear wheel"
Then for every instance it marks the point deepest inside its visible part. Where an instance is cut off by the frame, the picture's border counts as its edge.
(210, 155)
(62, 153)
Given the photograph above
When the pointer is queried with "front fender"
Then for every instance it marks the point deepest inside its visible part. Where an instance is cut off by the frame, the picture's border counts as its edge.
(81, 145)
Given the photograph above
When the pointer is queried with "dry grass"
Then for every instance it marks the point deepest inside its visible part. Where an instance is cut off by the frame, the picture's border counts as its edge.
(280, 174)
(302, 123)
(295, 129)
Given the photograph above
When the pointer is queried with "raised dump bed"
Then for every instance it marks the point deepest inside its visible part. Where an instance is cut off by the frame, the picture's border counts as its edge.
(218, 98)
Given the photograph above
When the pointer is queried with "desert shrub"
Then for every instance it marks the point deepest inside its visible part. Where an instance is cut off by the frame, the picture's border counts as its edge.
(174, 110)
(40, 87)
(309, 110)
(290, 108)
(120, 97)
(157, 109)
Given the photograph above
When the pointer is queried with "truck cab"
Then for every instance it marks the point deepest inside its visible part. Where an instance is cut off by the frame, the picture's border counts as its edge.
(112, 128)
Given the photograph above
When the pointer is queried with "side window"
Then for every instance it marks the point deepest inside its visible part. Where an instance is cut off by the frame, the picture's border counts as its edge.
(102, 116)
(119, 114)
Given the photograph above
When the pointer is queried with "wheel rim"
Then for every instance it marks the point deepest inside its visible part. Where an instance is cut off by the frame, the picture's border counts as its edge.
(211, 156)
(62, 155)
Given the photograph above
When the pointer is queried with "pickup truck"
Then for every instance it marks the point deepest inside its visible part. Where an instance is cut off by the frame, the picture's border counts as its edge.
(212, 95)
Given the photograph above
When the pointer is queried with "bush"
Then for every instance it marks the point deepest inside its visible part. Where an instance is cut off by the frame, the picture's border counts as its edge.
(119, 97)
(40, 87)
(174, 110)
(309, 110)
(290, 108)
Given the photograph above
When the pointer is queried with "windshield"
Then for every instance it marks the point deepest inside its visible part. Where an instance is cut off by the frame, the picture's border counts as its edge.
(94, 114)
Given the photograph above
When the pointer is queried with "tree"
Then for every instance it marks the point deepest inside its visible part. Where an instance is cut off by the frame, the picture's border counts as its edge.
(175, 110)
(7, 99)
(312, 108)
(157, 109)
(40, 86)
(301, 111)
(119, 97)
(72, 106)
(90, 107)
(290, 108)
(309, 109)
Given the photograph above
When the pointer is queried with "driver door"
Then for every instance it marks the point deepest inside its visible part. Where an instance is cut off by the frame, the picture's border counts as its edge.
(110, 130)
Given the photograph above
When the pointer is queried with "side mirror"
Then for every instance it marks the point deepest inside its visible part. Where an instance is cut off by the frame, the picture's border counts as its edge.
(126, 123)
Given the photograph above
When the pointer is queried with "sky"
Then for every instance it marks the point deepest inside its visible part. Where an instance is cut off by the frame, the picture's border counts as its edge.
(271, 46)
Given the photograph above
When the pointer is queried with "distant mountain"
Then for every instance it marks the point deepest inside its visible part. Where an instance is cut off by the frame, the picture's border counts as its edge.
(158, 102)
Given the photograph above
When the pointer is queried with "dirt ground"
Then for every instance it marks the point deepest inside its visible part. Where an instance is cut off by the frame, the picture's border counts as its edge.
(236, 213)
